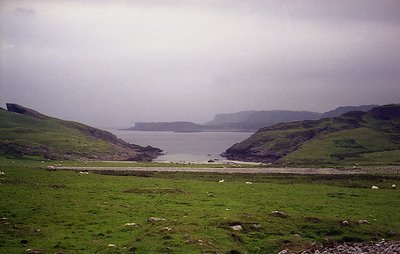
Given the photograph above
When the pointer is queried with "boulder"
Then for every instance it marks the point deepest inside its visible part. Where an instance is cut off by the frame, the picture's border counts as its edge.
(155, 219)
(279, 214)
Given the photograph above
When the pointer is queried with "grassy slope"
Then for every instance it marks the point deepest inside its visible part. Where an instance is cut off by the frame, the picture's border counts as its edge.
(54, 138)
(84, 213)
(347, 140)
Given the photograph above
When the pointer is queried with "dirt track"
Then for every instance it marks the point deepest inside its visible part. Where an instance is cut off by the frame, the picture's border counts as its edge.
(300, 171)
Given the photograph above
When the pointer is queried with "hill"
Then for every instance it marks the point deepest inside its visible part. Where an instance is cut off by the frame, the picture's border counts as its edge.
(262, 116)
(342, 110)
(356, 137)
(254, 120)
(24, 131)
(247, 121)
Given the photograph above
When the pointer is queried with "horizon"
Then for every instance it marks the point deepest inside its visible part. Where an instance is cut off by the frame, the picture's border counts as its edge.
(116, 63)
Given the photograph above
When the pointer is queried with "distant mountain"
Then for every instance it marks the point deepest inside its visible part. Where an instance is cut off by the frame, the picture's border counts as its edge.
(253, 120)
(266, 117)
(244, 120)
(24, 131)
(356, 137)
(342, 110)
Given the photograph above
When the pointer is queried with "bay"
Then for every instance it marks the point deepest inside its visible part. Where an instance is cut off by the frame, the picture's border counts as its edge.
(185, 147)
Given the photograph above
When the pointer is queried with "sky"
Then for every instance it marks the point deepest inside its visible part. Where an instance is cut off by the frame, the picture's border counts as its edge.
(113, 63)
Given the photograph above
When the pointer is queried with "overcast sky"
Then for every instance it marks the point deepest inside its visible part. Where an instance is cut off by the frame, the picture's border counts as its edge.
(111, 63)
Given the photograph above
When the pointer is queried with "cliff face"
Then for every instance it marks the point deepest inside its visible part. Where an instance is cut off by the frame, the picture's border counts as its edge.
(353, 136)
(26, 131)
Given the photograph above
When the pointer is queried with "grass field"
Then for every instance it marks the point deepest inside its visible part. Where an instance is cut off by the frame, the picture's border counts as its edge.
(69, 212)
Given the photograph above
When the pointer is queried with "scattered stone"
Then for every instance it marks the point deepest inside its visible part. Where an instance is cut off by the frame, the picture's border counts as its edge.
(227, 209)
(279, 214)
(357, 248)
(345, 223)
(363, 222)
(249, 183)
(51, 168)
(393, 186)
(2, 173)
(285, 251)
(236, 227)
(112, 245)
(34, 251)
(132, 224)
(256, 226)
(221, 181)
(210, 194)
(374, 187)
(155, 219)
(166, 229)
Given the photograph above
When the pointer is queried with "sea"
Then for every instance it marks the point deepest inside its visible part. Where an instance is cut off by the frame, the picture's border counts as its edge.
(193, 147)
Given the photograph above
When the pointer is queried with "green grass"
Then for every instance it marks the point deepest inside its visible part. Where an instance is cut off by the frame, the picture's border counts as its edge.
(369, 139)
(73, 213)
(40, 162)
(58, 139)
(349, 147)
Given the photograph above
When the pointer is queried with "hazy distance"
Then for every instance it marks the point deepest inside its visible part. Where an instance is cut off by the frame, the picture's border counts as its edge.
(112, 63)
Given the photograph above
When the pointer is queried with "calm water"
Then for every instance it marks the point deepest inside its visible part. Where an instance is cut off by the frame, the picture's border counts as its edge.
(189, 147)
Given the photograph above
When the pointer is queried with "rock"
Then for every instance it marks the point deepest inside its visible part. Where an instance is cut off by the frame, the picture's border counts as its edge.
(221, 181)
(2, 173)
(256, 226)
(374, 187)
(112, 245)
(131, 224)
(285, 251)
(166, 229)
(249, 183)
(358, 248)
(34, 251)
(155, 219)
(345, 223)
(236, 227)
(279, 214)
(363, 222)
(51, 168)
(393, 186)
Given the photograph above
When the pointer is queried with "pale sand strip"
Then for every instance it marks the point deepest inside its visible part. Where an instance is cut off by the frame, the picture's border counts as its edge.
(300, 171)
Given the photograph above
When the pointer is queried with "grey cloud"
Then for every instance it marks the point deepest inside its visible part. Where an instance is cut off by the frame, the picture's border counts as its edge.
(111, 63)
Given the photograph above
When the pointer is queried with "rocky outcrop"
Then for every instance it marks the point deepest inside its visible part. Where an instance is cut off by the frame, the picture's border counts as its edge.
(24, 111)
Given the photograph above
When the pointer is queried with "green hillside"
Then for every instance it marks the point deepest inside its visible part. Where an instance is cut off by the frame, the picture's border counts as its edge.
(354, 138)
(26, 132)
